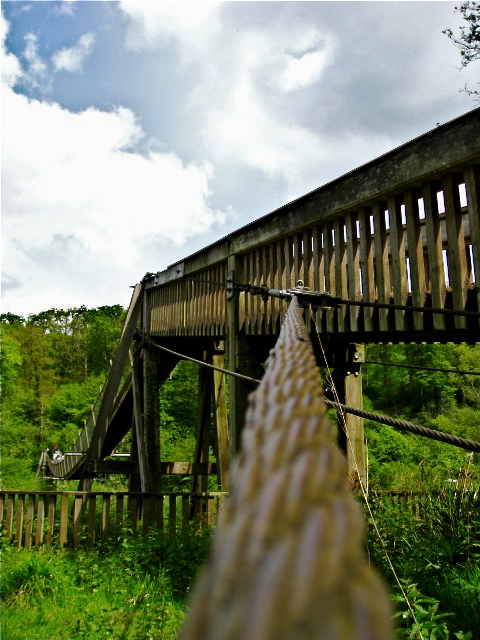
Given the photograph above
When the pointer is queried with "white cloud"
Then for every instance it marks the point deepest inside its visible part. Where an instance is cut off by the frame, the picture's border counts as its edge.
(153, 22)
(36, 71)
(302, 71)
(11, 68)
(78, 202)
(71, 59)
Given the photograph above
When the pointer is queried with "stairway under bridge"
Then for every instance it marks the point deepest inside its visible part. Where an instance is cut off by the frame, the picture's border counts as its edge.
(388, 253)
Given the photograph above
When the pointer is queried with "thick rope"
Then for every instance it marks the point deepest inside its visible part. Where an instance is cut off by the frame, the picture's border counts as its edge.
(287, 559)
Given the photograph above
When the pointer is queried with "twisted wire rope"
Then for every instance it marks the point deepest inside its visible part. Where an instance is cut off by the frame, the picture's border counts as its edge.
(287, 560)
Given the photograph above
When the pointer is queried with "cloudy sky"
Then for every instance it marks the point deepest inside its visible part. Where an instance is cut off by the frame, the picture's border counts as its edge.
(135, 133)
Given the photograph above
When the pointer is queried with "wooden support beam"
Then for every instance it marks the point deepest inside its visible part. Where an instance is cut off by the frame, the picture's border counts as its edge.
(221, 422)
(115, 376)
(205, 385)
(348, 385)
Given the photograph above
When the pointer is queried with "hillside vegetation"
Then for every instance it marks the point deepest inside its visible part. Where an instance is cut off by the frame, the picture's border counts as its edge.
(53, 365)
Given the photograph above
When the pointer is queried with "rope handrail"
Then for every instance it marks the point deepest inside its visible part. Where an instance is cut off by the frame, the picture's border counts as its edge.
(287, 560)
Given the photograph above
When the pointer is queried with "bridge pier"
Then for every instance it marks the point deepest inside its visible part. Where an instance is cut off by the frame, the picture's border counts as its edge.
(347, 378)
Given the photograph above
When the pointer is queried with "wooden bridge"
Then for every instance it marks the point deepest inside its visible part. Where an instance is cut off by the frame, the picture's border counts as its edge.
(391, 251)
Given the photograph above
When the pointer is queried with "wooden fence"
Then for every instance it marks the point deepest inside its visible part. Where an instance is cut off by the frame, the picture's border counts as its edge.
(74, 518)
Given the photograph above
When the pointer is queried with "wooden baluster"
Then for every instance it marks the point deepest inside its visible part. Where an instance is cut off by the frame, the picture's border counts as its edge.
(317, 285)
(382, 267)
(367, 265)
(40, 520)
(436, 276)
(353, 272)
(288, 246)
(281, 279)
(10, 512)
(63, 519)
(119, 515)
(398, 260)
(328, 249)
(19, 520)
(105, 516)
(297, 258)
(92, 517)
(52, 507)
(472, 184)
(340, 261)
(457, 259)
(273, 282)
(415, 255)
(77, 520)
(29, 522)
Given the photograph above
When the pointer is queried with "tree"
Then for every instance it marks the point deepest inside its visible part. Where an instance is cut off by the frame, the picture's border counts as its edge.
(468, 41)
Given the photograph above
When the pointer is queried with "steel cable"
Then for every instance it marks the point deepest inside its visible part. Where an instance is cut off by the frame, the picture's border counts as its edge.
(287, 561)
(433, 434)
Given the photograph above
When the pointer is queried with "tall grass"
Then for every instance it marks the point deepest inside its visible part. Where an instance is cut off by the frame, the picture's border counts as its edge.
(434, 545)
(133, 589)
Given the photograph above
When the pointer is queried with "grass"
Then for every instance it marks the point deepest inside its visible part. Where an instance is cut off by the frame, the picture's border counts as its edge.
(434, 546)
(136, 589)
(130, 590)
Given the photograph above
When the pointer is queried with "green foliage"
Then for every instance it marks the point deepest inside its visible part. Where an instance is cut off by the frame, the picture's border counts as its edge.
(444, 401)
(52, 366)
(433, 541)
(132, 589)
(468, 39)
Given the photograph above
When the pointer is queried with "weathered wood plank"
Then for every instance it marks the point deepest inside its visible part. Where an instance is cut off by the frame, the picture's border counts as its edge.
(77, 520)
(63, 520)
(457, 259)
(52, 507)
(436, 276)
(39, 531)
(105, 530)
(367, 265)
(92, 517)
(29, 522)
(19, 520)
(382, 267)
(10, 510)
(398, 260)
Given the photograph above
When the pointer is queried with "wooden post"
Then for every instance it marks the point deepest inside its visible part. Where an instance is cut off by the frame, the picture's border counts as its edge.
(9, 520)
(40, 520)
(221, 422)
(63, 519)
(92, 509)
(19, 520)
(472, 181)
(348, 384)
(29, 522)
(151, 420)
(205, 386)
(105, 516)
(77, 519)
(52, 503)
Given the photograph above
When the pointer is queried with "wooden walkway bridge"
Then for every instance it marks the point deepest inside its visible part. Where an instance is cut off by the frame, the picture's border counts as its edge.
(392, 252)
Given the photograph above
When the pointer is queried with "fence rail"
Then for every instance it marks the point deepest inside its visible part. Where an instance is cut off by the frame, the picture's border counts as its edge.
(73, 518)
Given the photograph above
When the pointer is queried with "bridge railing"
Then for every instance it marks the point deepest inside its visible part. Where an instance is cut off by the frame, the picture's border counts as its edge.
(403, 229)
(34, 518)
